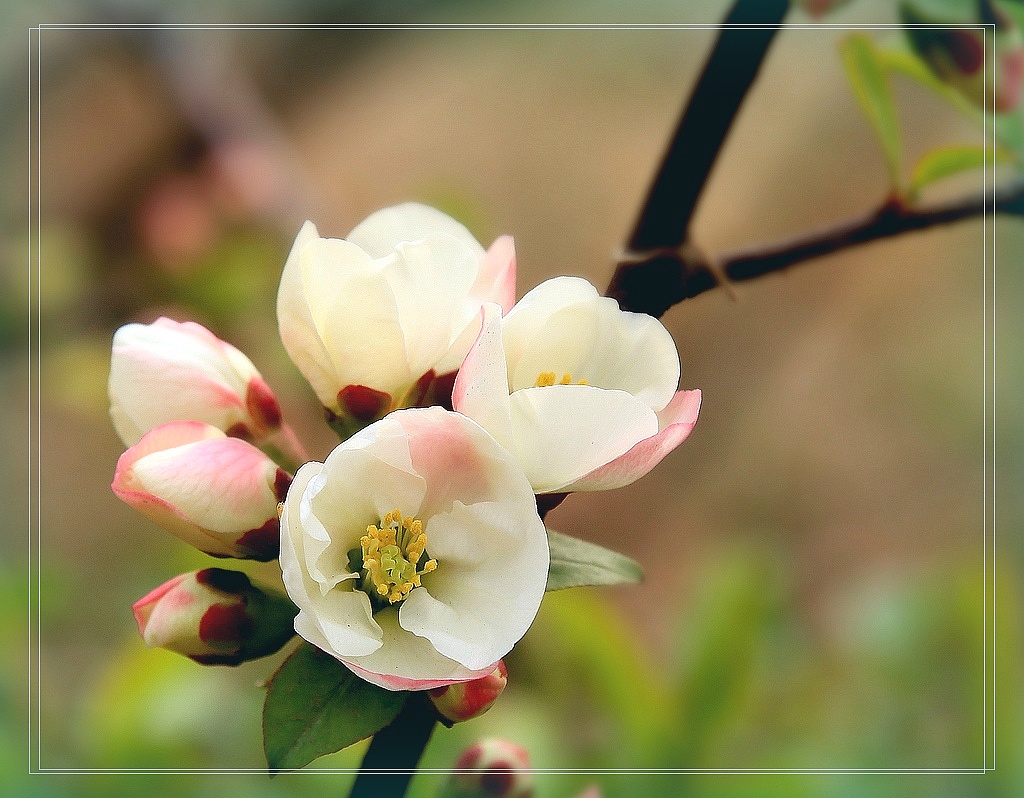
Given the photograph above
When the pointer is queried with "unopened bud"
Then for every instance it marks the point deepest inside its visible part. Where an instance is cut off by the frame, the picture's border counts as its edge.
(490, 768)
(466, 700)
(215, 617)
(957, 56)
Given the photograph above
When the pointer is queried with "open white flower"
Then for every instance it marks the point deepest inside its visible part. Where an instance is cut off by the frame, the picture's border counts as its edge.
(180, 371)
(372, 320)
(583, 393)
(414, 552)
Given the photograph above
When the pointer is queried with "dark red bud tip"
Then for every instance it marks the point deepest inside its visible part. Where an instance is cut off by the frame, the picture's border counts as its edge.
(234, 582)
(966, 49)
(363, 403)
(281, 482)
(263, 543)
(225, 623)
(239, 430)
(262, 404)
(497, 779)
(441, 390)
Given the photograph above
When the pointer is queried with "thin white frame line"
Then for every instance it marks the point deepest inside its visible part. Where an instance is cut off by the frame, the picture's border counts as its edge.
(994, 326)
(28, 406)
(507, 27)
(983, 27)
(984, 394)
(38, 402)
(547, 771)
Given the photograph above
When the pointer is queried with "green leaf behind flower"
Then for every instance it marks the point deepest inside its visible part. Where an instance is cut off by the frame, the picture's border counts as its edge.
(316, 706)
(577, 563)
(869, 80)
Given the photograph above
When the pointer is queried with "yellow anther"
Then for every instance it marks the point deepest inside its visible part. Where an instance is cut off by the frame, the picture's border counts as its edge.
(392, 554)
(548, 378)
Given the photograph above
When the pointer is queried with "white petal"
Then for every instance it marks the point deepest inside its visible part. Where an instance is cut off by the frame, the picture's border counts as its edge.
(345, 625)
(430, 280)
(381, 232)
(597, 342)
(295, 322)
(405, 661)
(565, 431)
(485, 593)
(356, 317)
(530, 312)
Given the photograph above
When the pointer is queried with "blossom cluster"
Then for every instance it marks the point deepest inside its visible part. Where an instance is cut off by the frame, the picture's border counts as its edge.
(414, 552)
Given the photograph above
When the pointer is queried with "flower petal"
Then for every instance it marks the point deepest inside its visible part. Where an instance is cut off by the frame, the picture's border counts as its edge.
(496, 281)
(407, 662)
(488, 586)
(676, 422)
(430, 280)
(597, 342)
(295, 322)
(481, 387)
(565, 431)
(338, 622)
(380, 233)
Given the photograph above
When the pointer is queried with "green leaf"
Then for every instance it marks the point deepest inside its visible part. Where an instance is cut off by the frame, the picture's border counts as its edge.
(898, 58)
(316, 706)
(576, 563)
(870, 83)
(947, 161)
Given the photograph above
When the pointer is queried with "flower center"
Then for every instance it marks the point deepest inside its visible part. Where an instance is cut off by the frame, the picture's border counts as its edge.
(546, 378)
(391, 555)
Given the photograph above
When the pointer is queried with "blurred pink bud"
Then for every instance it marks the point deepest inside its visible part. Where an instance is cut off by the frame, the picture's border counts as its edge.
(173, 371)
(218, 493)
(490, 768)
(467, 700)
(957, 56)
(176, 221)
(215, 617)
(818, 8)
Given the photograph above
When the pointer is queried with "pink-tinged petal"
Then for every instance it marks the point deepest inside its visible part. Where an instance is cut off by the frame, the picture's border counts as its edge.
(496, 281)
(481, 387)
(676, 421)
(565, 431)
(206, 488)
(407, 662)
(143, 608)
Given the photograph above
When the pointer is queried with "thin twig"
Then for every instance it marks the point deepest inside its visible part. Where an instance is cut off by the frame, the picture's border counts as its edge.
(667, 277)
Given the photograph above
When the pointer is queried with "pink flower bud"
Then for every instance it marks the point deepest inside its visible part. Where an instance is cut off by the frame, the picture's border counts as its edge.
(490, 768)
(215, 617)
(170, 371)
(217, 493)
(467, 700)
(819, 8)
(957, 56)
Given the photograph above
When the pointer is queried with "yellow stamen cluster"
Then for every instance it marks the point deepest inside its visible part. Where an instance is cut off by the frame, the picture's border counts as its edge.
(547, 378)
(391, 556)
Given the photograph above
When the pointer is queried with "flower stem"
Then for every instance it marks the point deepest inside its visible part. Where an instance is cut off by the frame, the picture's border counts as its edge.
(394, 753)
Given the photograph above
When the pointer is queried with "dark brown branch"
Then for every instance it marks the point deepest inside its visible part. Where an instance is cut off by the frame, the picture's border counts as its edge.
(394, 753)
(667, 277)
(731, 69)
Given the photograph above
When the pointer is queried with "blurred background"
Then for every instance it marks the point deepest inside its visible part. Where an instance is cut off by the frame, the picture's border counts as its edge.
(815, 552)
